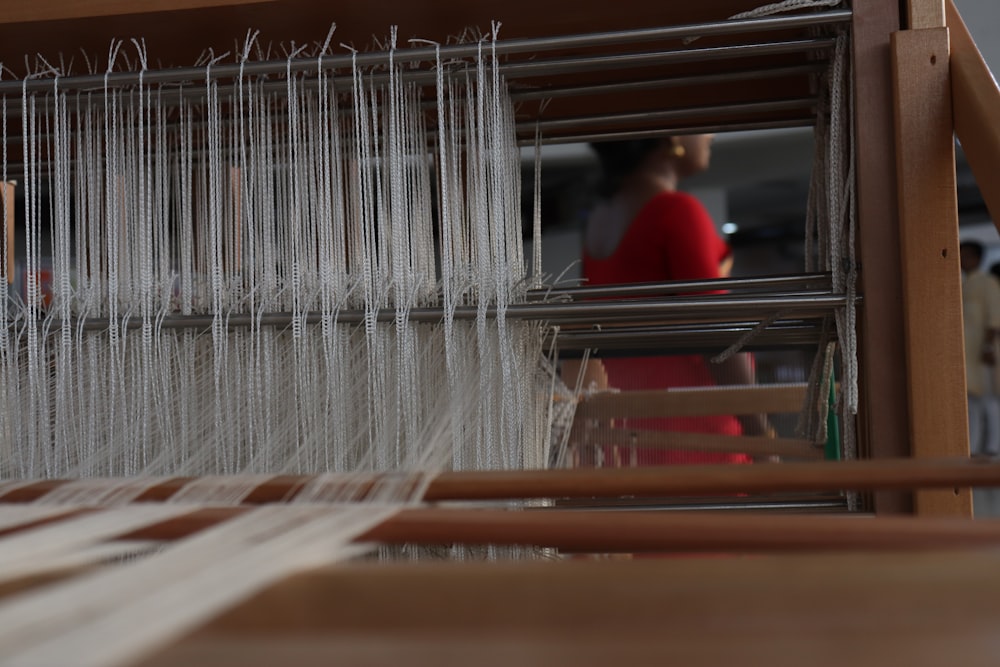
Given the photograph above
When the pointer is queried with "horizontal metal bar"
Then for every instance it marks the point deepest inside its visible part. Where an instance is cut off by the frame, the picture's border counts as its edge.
(726, 306)
(15, 169)
(723, 328)
(618, 87)
(727, 328)
(667, 115)
(714, 128)
(750, 505)
(528, 133)
(509, 70)
(817, 280)
(690, 338)
(710, 308)
(517, 95)
(650, 58)
(429, 54)
(658, 116)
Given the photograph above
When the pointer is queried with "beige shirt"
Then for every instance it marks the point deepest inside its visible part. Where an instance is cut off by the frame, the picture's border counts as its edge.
(980, 312)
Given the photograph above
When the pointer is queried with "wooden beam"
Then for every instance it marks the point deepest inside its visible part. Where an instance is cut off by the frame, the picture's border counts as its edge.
(932, 291)
(976, 105)
(883, 422)
(16, 11)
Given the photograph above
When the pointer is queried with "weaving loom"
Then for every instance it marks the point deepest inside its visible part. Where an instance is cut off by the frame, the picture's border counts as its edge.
(290, 329)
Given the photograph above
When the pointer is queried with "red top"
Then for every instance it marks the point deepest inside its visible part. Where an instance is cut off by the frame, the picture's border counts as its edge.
(671, 238)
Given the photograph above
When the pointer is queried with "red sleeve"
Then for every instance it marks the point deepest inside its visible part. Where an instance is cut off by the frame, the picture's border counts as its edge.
(690, 246)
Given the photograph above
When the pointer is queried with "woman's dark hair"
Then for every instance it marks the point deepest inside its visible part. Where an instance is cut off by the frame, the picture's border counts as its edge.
(620, 158)
(974, 247)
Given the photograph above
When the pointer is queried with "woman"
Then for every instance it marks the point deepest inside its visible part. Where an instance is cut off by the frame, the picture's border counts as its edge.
(646, 230)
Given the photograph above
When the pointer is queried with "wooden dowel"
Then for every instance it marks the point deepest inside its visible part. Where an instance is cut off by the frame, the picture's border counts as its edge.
(715, 479)
(637, 531)
(640, 530)
(666, 481)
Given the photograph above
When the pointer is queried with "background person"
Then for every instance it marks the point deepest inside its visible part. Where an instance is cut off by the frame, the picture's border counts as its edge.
(981, 321)
(646, 230)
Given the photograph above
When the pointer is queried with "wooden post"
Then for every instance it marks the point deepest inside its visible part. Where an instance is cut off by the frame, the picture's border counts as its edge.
(883, 422)
(932, 291)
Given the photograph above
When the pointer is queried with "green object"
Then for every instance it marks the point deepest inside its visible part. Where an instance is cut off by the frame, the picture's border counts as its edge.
(832, 450)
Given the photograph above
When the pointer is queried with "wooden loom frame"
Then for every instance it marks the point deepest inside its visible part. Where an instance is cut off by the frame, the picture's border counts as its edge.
(913, 407)
(907, 218)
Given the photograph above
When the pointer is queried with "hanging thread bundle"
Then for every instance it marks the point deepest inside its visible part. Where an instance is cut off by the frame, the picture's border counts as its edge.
(310, 193)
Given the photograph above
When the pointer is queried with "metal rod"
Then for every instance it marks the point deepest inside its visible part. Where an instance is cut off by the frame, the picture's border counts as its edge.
(528, 128)
(722, 329)
(667, 115)
(778, 335)
(589, 323)
(654, 329)
(649, 58)
(668, 130)
(822, 280)
(822, 504)
(725, 305)
(533, 68)
(618, 87)
(527, 94)
(707, 306)
(447, 52)
(528, 140)
(604, 119)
